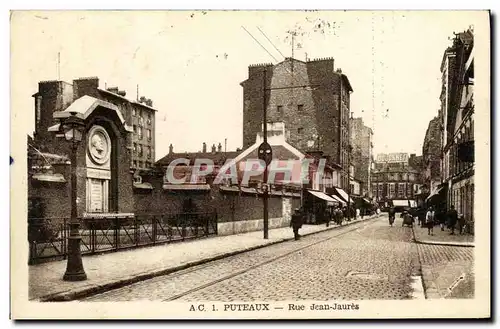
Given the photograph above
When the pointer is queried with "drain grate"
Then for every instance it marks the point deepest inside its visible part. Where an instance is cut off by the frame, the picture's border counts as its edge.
(366, 275)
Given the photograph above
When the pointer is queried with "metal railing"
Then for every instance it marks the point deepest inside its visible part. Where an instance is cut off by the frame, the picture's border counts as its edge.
(48, 236)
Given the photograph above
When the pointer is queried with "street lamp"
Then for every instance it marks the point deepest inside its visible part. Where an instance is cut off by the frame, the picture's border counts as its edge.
(73, 128)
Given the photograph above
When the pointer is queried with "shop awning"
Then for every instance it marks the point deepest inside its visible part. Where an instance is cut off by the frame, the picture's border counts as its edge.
(400, 203)
(434, 192)
(186, 187)
(342, 202)
(322, 196)
(343, 194)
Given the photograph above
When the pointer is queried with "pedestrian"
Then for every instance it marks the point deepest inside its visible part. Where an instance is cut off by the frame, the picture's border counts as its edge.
(296, 223)
(441, 218)
(392, 215)
(429, 221)
(452, 219)
(357, 213)
(461, 223)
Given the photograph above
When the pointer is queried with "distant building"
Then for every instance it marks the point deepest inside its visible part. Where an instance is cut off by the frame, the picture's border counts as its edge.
(396, 176)
(362, 154)
(54, 96)
(311, 98)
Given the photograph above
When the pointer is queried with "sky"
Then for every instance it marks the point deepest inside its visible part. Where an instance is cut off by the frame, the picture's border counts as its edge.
(191, 63)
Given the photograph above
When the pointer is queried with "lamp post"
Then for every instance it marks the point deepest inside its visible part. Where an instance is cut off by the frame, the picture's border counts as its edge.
(73, 131)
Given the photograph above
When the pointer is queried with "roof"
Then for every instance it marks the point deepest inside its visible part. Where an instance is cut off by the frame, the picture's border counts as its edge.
(84, 106)
(126, 99)
(218, 157)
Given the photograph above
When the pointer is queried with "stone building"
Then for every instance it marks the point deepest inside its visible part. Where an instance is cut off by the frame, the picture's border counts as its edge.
(311, 98)
(362, 154)
(396, 176)
(431, 153)
(54, 96)
(457, 126)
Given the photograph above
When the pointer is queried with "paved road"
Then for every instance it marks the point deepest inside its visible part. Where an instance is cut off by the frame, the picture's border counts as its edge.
(367, 260)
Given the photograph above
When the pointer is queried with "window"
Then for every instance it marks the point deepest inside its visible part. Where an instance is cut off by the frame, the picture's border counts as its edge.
(149, 152)
(148, 134)
(140, 150)
(300, 107)
(135, 129)
(401, 190)
(380, 189)
(149, 118)
(279, 109)
(139, 132)
(300, 130)
(392, 189)
(135, 148)
(408, 190)
(134, 112)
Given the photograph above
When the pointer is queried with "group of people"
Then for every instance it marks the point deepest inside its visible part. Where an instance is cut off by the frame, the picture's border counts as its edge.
(430, 218)
(335, 214)
(450, 219)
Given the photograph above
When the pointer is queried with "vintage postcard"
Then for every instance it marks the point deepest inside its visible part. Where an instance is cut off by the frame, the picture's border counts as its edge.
(250, 164)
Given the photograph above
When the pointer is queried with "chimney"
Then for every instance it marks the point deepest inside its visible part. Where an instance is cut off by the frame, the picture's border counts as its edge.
(113, 90)
(219, 148)
(170, 149)
(204, 147)
(85, 86)
(149, 103)
(213, 148)
(122, 93)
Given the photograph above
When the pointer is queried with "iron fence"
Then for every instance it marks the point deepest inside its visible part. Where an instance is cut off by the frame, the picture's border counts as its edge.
(48, 236)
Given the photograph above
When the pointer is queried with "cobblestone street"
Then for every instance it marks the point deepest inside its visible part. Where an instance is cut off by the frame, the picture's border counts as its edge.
(362, 261)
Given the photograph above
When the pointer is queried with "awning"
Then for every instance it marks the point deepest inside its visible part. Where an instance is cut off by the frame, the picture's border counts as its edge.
(322, 196)
(343, 194)
(434, 192)
(186, 187)
(400, 203)
(342, 202)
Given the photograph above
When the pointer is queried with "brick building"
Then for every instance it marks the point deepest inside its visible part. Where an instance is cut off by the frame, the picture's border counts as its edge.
(54, 96)
(311, 98)
(362, 154)
(456, 118)
(396, 177)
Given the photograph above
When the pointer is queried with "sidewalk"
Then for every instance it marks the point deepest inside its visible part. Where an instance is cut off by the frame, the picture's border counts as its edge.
(442, 237)
(113, 270)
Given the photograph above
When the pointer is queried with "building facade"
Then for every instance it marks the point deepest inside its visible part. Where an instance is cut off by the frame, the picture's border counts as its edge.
(54, 96)
(362, 154)
(431, 153)
(311, 98)
(457, 124)
(396, 176)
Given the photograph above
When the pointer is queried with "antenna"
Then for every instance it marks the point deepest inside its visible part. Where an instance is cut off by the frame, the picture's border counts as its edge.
(137, 97)
(59, 66)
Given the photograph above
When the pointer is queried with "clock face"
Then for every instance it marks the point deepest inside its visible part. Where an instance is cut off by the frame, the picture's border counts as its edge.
(99, 145)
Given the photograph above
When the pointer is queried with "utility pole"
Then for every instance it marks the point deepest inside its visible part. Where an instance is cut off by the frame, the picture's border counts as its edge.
(265, 153)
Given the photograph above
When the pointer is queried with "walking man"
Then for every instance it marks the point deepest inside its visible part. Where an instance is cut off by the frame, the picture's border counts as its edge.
(452, 218)
(296, 223)
(429, 221)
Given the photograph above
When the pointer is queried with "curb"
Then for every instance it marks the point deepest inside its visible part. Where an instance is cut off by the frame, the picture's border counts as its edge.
(440, 243)
(115, 284)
